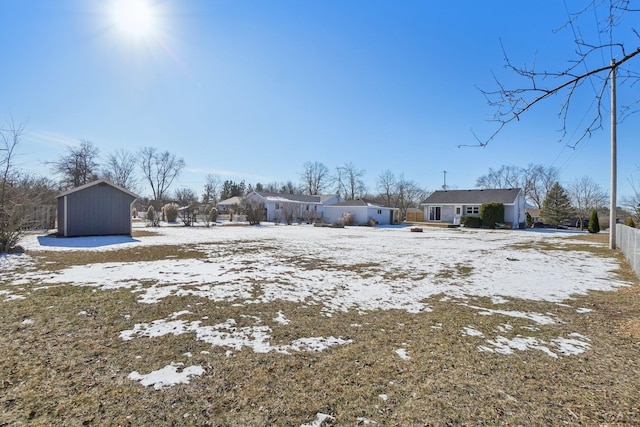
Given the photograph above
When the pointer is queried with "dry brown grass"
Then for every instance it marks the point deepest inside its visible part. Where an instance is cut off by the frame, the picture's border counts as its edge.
(69, 367)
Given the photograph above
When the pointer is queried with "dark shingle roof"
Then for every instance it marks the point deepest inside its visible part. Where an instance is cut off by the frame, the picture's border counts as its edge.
(97, 182)
(473, 197)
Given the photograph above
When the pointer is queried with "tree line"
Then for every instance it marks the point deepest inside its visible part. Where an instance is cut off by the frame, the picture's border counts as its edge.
(22, 193)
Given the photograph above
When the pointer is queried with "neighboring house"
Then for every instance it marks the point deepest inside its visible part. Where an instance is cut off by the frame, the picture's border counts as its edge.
(363, 211)
(535, 214)
(451, 205)
(228, 205)
(98, 208)
(279, 207)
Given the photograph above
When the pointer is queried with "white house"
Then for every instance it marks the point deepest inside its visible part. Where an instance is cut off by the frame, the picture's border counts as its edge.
(229, 204)
(450, 205)
(282, 207)
(363, 211)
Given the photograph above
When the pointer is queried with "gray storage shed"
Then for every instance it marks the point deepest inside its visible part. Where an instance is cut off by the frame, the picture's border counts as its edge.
(99, 208)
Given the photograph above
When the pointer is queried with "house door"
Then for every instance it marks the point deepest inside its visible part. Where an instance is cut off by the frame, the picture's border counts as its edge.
(435, 213)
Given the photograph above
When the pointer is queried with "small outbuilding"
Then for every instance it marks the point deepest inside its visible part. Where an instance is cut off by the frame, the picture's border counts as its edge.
(362, 211)
(99, 208)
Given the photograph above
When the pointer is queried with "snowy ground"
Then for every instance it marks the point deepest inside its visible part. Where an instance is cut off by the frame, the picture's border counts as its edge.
(360, 268)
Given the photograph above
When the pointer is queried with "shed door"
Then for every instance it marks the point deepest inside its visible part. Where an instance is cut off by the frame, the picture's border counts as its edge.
(435, 213)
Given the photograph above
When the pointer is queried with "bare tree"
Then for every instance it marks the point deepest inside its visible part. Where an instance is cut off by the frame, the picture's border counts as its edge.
(408, 194)
(185, 197)
(538, 181)
(535, 180)
(120, 169)
(586, 195)
(386, 186)
(211, 189)
(160, 169)
(506, 177)
(580, 74)
(10, 230)
(349, 181)
(79, 166)
(25, 202)
(632, 203)
(314, 178)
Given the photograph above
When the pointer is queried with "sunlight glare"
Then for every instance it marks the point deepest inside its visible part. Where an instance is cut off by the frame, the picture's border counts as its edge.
(134, 18)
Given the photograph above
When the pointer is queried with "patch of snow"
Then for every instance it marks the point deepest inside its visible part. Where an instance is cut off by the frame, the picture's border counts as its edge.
(539, 318)
(505, 345)
(232, 277)
(403, 354)
(392, 280)
(384, 397)
(505, 327)
(28, 322)
(582, 310)
(320, 421)
(226, 334)
(571, 347)
(168, 376)
(564, 346)
(472, 332)
(178, 314)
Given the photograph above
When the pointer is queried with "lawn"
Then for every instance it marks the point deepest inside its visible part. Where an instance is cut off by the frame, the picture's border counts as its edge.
(298, 325)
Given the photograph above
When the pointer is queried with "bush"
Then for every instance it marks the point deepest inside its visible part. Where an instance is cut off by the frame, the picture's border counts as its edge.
(213, 215)
(629, 223)
(171, 212)
(253, 213)
(492, 213)
(349, 218)
(337, 224)
(8, 240)
(471, 221)
(151, 217)
(594, 223)
(529, 220)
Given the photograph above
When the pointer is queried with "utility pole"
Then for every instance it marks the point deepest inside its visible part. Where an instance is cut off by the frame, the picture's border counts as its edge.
(444, 186)
(614, 160)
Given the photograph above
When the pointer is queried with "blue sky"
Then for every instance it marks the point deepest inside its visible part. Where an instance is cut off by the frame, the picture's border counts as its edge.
(251, 90)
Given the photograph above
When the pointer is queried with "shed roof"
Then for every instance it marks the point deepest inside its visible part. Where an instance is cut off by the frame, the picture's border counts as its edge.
(94, 183)
(362, 202)
(475, 197)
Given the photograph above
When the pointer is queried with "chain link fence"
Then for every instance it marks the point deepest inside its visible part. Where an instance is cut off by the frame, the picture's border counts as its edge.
(628, 241)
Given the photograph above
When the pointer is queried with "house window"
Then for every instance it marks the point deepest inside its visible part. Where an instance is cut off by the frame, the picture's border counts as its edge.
(458, 210)
(278, 206)
(435, 213)
(473, 210)
(379, 211)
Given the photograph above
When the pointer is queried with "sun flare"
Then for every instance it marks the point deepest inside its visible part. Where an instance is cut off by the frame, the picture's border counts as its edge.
(134, 18)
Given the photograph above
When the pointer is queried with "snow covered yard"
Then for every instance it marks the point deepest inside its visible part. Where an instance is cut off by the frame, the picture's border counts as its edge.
(299, 325)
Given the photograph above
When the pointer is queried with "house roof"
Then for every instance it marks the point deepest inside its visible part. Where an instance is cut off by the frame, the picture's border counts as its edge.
(473, 197)
(286, 197)
(361, 202)
(96, 182)
(235, 200)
